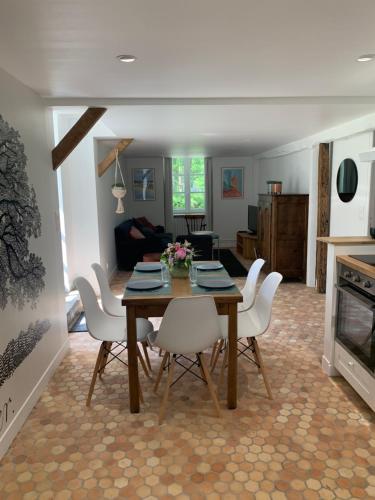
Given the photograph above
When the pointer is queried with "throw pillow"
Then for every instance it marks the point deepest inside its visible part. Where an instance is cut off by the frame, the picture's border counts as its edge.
(136, 234)
(145, 222)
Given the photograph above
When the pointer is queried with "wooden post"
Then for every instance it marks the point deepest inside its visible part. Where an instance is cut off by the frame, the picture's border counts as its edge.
(324, 195)
(75, 135)
(104, 165)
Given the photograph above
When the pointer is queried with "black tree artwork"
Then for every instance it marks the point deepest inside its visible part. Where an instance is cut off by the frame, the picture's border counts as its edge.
(21, 271)
(19, 348)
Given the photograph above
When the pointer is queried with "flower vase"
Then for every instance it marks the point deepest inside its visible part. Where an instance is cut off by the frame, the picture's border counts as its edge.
(179, 271)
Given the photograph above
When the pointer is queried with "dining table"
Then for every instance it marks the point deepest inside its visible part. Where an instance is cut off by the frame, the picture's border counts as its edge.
(153, 303)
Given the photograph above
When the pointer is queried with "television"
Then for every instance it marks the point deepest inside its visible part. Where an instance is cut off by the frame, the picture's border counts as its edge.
(252, 219)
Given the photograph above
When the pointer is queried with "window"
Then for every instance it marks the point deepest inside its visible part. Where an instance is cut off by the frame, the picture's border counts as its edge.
(189, 185)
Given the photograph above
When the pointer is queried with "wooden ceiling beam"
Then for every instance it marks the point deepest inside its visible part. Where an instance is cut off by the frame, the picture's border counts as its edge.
(104, 165)
(75, 135)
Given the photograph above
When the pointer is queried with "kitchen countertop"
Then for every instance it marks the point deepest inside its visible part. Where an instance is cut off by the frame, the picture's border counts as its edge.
(347, 240)
(362, 267)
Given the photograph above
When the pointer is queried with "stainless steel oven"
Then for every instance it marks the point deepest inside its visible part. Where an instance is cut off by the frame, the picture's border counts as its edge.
(355, 327)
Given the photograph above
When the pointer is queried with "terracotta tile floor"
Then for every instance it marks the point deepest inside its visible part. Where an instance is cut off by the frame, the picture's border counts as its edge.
(315, 440)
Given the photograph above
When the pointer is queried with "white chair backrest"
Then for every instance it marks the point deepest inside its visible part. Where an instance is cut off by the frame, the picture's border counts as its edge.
(98, 322)
(111, 304)
(264, 299)
(249, 290)
(189, 325)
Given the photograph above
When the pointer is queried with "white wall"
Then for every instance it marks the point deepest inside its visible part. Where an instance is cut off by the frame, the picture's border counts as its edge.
(352, 218)
(81, 203)
(230, 215)
(24, 111)
(106, 211)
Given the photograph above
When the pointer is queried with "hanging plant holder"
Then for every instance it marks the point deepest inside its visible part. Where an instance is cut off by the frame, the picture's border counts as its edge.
(118, 188)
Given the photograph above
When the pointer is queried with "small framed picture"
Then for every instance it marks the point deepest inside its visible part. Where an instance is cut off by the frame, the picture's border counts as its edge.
(144, 184)
(232, 184)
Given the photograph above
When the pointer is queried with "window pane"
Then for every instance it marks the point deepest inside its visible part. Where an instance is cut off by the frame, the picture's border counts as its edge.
(179, 201)
(177, 166)
(178, 184)
(197, 201)
(197, 183)
(197, 166)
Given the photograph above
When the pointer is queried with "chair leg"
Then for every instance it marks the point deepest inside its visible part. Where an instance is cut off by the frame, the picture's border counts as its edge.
(144, 345)
(213, 352)
(165, 397)
(203, 375)
(217, 354)
(108, 347)
(139, 354)
(140, 392)
(251, 345)
(209, 383)
(98, 364)
(163, 363)
(223, 366)
(262, 367)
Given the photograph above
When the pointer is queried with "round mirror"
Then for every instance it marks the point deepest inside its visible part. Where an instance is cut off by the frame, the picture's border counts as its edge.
(347, 180)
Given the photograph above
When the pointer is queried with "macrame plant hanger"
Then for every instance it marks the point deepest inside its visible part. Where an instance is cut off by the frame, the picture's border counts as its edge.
(118, 188)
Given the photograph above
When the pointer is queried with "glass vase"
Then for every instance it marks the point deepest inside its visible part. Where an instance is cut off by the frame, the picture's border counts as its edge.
(179, 271)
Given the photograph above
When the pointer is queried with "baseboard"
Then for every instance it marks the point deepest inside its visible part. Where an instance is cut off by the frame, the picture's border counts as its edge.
(28, 405)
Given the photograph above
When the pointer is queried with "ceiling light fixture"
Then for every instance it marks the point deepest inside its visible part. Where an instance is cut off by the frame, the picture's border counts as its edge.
(126, 58)
(366, 58)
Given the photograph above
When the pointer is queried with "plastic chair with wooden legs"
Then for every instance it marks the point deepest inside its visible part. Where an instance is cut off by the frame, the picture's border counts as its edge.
(251, 324)
(111, 304)
(179, 336)
(110, 330)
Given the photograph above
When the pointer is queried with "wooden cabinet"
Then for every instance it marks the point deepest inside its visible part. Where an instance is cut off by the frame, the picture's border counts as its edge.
(282, 233)
(246, 244)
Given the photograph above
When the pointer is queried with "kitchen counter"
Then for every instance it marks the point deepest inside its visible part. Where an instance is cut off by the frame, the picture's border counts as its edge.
(347, 240)
(362, 267)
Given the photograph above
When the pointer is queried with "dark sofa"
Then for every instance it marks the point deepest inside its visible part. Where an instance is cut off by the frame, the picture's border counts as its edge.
(129, 250)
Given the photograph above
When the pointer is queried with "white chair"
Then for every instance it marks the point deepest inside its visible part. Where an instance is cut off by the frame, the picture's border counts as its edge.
(109, 330)
(248, 293)
(249, 290)
(111, 304)
(189, 325)
(252, 323)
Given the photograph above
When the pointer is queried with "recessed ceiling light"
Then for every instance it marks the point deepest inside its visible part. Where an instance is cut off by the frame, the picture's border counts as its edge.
(366, 58)
(126, 58)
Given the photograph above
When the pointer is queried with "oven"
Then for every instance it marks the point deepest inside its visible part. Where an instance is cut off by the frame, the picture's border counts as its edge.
(355, 325)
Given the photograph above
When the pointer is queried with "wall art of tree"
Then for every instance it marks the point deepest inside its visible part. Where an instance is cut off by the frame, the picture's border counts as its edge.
(19, 348)
(21, 271)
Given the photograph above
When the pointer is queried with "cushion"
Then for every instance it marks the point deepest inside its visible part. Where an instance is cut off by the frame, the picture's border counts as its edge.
(136, 234)
(124, 228)
(143, 221)
(146, 231)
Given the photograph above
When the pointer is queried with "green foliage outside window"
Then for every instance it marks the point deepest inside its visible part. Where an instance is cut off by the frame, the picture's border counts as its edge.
(188, 180)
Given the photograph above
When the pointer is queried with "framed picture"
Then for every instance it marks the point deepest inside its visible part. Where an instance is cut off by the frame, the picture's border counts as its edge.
(232, 182)
(144, 184)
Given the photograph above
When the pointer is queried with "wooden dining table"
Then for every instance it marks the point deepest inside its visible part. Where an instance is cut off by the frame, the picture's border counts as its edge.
(153, 303)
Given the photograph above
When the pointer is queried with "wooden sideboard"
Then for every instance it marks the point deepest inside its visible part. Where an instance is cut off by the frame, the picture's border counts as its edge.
(282, 233)
(246, 244)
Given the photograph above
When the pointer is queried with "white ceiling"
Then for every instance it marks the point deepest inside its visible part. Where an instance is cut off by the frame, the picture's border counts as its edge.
(223, 130)
(197, 49)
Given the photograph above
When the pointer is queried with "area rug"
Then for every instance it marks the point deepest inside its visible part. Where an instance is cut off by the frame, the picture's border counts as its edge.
(230, 262)
(80, 324)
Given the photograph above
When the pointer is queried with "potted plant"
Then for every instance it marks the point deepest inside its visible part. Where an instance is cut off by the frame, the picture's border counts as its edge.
(178, 257)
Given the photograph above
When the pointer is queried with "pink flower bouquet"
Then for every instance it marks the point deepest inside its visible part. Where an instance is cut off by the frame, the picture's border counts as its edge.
(178, 254)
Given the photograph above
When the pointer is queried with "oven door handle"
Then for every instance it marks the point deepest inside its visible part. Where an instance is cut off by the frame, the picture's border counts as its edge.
(369, 304)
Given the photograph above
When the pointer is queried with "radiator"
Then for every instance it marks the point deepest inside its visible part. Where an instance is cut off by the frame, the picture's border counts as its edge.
(179, 226)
